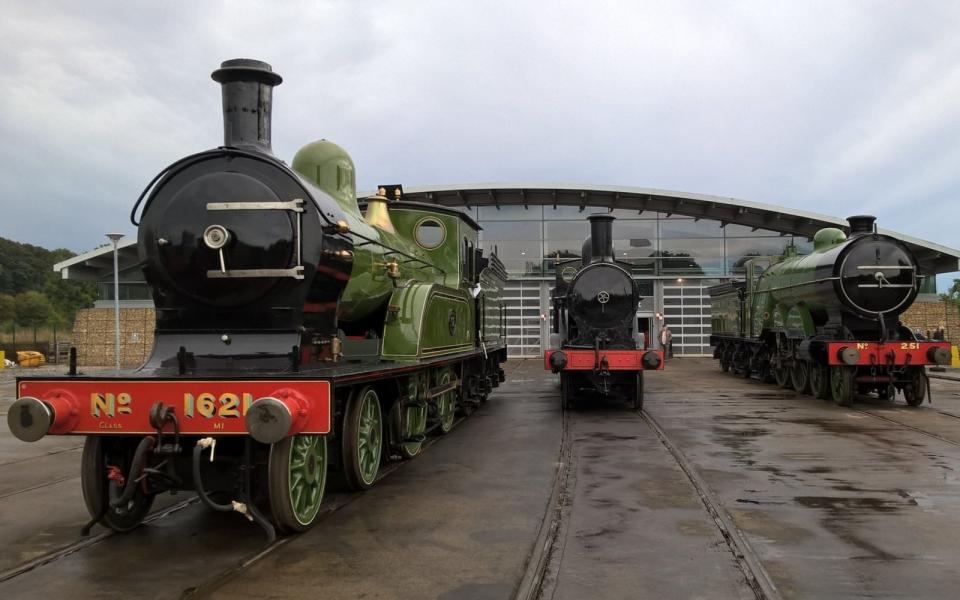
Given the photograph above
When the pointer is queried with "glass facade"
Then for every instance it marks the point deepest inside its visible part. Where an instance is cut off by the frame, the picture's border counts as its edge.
(677, 258)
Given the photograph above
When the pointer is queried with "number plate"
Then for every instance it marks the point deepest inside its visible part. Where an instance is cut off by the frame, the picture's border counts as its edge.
(202, 407)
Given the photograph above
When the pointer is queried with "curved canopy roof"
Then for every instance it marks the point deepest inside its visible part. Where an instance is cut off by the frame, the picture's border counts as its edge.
(933, 258)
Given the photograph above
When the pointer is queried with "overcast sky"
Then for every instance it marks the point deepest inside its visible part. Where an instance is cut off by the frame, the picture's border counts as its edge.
(834, 107)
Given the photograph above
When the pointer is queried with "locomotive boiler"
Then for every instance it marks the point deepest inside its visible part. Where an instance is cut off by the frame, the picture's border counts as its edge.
(828, 323)
(298, 330)
(595, 345)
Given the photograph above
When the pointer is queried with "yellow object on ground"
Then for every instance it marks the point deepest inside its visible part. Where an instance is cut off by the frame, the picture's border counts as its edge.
(29, 358)
(3, 359)
(954, 357)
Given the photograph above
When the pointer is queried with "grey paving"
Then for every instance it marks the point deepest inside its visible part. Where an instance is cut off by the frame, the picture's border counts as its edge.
(837, 503)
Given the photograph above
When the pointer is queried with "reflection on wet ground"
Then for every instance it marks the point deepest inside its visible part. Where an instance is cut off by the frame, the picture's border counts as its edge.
(813, 484)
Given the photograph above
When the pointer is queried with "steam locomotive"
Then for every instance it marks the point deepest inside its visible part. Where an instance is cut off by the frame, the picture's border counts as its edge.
(827, 323)
(596, 346)
(297, 330)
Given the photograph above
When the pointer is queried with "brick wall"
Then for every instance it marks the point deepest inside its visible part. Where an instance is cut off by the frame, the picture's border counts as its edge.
(93, 335)
(927, 314)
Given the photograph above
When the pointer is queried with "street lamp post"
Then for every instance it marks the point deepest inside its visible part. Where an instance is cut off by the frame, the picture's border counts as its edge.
(115, 237)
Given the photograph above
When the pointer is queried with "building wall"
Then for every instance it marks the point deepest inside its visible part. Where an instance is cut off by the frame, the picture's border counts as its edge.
(93, 336)
(674, 258)
(929, 312)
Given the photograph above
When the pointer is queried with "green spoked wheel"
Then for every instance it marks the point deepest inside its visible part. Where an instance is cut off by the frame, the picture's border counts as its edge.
(362, 438)
(297, 476)
(842, 385)
(416, 426)
(446, 403)
(97, 456)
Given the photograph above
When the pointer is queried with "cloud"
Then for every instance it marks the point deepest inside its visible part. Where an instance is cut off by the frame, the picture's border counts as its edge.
(836, 108)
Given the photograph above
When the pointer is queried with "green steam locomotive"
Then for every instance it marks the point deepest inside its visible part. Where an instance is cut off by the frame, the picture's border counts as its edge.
(828, 323)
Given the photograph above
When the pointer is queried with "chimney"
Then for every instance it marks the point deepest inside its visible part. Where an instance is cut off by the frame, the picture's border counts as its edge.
(247, 87)
(861, 224)
(601, 238)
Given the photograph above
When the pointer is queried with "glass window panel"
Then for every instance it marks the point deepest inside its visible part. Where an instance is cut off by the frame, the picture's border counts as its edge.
(804, 246)
(567, 230)
(533, 212)
(690, 265)
(734, 230)
(516, 250)
(563, 248)
(633, 213)
(645, 286)
(566, 213)
(523, 267)
(740, 250)
(511, 230)
(634, 248)
(642, 266)
(624, 229)
(707, 248)
(688, 228)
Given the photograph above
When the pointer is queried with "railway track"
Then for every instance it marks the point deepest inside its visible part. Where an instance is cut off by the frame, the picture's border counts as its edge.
(218, 580)
(87, 542)
(10, 463)
(914, 428)
(209, 584)
(539, 579)
(38, 486)
(747, 559)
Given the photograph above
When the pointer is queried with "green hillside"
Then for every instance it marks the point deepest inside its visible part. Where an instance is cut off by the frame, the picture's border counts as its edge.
(31, 294)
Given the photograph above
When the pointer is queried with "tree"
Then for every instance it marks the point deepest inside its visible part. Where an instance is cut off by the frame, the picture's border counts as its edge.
(33, 309)
(953, 294)
(7, 309)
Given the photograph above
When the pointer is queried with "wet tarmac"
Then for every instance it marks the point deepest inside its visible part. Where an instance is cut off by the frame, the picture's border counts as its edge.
(832, 502)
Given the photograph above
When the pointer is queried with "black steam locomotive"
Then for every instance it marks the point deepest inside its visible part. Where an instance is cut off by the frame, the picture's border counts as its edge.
(294, 332)
(596, 346)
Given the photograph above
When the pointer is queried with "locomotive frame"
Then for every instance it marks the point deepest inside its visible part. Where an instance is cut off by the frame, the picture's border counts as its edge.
(596, 347)
(298, 331)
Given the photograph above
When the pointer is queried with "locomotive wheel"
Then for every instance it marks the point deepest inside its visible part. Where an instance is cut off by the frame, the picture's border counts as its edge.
(94, 483)
(725, 360)
(819, 381)
(842, 385)
(362, 439)
(567, 401)
(416, 425)
(916, 389)
(297, 476)
(446, 403)
(800, 376)
(746, 370)
(781, 375)
(637, 389)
